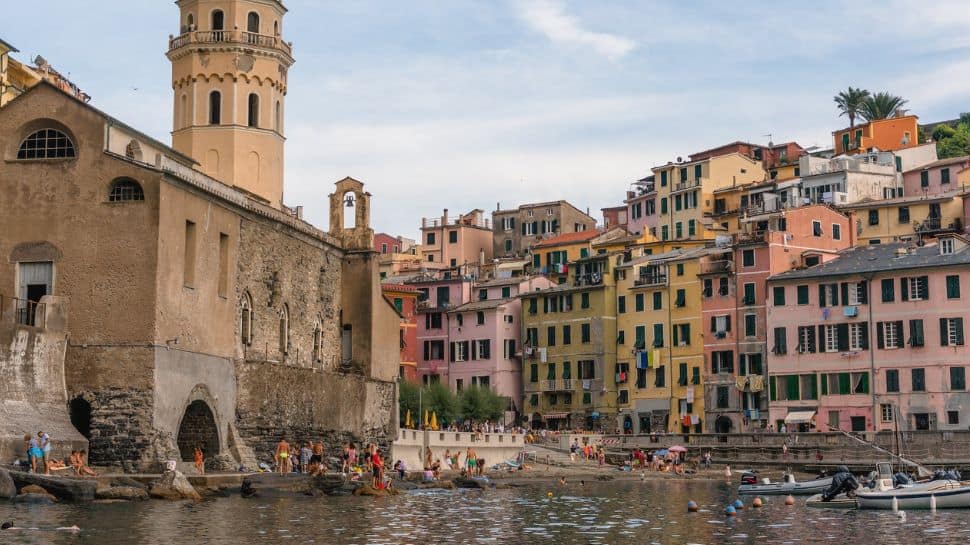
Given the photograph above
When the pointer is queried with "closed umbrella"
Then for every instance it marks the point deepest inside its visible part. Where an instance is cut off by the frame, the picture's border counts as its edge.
(407, 419)
(434, 421)
(426, 418)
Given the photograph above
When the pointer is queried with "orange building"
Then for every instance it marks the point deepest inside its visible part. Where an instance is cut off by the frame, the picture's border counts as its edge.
(405, 301)
(891, 134)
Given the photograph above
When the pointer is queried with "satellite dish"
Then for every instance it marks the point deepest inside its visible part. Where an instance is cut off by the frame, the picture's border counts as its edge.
(40, 61)
(680, 159)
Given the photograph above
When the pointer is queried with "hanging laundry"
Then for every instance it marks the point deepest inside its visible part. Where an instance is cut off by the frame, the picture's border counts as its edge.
(542, 355)
(740, 382)
(757, 383)
(690, 395)
(643, 360)
(695, 420)
(656, 358)
(685, 421)
(825, 313)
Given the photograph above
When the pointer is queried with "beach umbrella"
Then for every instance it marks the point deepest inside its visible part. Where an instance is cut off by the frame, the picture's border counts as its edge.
(407, 419)
(434, 421)
(677, 448)
(661, 452)
(426, 418)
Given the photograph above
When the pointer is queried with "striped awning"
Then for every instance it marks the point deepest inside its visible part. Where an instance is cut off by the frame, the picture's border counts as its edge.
(800, 417)
(555, 416)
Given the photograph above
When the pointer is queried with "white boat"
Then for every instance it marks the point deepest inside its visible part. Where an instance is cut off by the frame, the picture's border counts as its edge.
(939, 494)
(785, 487)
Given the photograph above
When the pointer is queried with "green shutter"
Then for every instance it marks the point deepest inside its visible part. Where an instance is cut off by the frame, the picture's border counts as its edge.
(814, 387)
(864, 383)
(845, 383)
(772, 396)
(825, 385)
(953, 287)
(792, 387)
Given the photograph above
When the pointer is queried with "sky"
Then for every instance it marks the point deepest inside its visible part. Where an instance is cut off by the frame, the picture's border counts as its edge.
(464, 104)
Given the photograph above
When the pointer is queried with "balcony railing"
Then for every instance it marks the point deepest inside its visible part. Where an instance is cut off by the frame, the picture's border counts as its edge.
(229, 37)
(938, 224)
(550, 385)
(753, 237)
(532, 387)
(22, 311)
(652, 280)
(719, 266)
(567, 384)
(680, 186)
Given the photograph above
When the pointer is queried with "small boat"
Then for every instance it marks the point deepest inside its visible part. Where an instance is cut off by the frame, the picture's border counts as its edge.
(751, 485)
(939, 494)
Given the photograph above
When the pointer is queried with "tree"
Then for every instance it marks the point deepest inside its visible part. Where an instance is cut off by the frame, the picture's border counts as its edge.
(408, 401)
(480, 404)
(953, 144)
(439, 399)
(881, 105)
(850, 102)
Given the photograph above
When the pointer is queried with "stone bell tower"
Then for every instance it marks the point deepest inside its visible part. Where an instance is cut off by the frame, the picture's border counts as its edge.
(229, 72)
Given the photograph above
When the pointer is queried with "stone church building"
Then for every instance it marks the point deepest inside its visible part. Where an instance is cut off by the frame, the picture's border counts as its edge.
(202, 311)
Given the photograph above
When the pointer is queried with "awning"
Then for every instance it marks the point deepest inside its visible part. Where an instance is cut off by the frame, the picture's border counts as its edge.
(800, 417)
(555, 416)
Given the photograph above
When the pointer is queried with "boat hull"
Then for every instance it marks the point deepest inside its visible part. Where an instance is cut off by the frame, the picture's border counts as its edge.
(806, 488)
(950, 495)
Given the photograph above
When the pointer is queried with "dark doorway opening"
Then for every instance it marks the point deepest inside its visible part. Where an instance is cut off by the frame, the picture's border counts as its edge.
(81, 416)
(723, 424)
(198, 429)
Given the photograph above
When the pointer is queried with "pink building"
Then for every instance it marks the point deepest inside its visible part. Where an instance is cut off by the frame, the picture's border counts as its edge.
(641, 204)
(484, 335)
(873, 336)
(436, 297)
(456, 242)
(734, 280)
(934, 178)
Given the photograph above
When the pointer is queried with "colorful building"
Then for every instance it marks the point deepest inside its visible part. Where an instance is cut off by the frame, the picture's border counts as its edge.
(872, 340)
(569, 349)
(456, 242)
(934, 178)
(437, 295)
(405, 301)
(641, 205)
(733, 280)
(484, 338)
(16, 77)
(907, 218)
(890, 134)
(516, 230)
(552, 256)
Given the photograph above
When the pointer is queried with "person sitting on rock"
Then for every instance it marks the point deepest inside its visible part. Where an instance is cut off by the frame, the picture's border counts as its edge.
(83, 469)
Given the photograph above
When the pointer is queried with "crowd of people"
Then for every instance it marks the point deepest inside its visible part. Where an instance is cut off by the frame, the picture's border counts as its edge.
(310, 459)
(38, 450)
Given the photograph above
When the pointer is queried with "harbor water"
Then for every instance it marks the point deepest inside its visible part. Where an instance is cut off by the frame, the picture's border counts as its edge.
(593, 513)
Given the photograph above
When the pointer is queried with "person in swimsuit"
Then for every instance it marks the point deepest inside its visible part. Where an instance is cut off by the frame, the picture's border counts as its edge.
(199, 460)
(471, 459)
(34, 452)
(378, 467)
(282, 456)
(351, 456)
(82, 457)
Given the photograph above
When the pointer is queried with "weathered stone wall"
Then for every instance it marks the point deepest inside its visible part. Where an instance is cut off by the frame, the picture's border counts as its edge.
(306, 404)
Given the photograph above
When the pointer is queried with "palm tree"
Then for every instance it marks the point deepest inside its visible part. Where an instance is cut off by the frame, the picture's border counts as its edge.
(850, 103)
(882, 106)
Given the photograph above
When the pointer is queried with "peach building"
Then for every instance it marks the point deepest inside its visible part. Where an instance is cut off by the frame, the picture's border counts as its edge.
(456, 242)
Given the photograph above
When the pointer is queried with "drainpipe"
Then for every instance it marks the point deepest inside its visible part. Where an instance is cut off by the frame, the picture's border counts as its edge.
(670, 347)
(737, 312)
(872, 352)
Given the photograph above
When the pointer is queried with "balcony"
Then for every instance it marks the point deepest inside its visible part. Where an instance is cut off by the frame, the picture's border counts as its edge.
(931, 225)
(229, 37)
(689, 184)
(754, 237)
(594, 279)
(651, 280)
(717, 267)
(550, 385)
(567, 384)
(532, 387)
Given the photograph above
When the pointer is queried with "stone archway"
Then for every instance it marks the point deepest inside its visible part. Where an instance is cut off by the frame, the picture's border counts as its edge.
(80, 410)
(198, 429)
(723, 424)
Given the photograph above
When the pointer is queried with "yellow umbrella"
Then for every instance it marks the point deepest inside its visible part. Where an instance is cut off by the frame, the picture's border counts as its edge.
(434, 421)
(407, 419)
(426, 418)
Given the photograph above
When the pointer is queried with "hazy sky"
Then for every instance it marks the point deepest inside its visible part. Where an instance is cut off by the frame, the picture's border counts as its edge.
(461, 104)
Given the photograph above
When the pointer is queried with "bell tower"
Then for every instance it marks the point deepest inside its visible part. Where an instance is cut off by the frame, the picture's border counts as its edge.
(229, 72)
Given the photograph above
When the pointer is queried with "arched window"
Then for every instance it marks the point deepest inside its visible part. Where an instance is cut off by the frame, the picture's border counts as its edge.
(246, 320)
(253, 110)
(252, 22)
(46, 144)
(284, 330)
(218, 20)
(124, 190)
(279, 117)
(276, 28)
(215, 108)
(190, 22)
(184, 110)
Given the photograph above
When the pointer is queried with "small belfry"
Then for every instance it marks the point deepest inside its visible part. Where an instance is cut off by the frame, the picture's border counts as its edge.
(229, 73)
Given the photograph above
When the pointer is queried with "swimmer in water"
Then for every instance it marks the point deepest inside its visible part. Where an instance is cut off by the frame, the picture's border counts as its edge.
(9, 526)
(562, 481)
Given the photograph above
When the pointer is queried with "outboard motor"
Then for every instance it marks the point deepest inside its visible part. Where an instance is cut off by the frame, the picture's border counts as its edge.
(843, 482)
(901, 478)
(749, 478)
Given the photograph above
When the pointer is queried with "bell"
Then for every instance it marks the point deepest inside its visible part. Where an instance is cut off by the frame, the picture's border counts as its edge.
(349, 200)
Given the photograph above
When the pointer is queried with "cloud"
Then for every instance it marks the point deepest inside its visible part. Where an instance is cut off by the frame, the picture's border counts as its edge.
(549, 18)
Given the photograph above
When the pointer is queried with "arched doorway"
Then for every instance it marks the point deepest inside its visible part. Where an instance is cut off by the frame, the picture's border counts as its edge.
(198, 429)
(723, 424)
(81, 416)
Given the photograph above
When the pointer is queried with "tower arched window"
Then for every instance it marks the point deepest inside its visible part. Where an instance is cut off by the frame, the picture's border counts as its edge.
(279, 117)
(47, 144)
(284, 330)
(218, 20)
(125, 190)
(215, 108)
(276, 28)
(253, 110)
(246, 320)
(252, 22)
(190, 22)
(317, 342)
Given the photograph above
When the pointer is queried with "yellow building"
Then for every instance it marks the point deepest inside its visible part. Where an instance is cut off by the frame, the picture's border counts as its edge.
(552, 256)
(17, 77)
(659, 342)
(685, 192)
(903, 218)
(569, 349)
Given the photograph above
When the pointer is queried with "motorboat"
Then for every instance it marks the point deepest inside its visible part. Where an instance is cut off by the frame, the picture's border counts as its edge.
(750, 485)
(935, 494)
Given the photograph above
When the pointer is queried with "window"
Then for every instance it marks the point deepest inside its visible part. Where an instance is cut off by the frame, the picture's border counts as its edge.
(947, 246)
(430, 238)
(658, 300)
(828, 295)
(188, 259)
(658, 335)
(892, 380)
(584, 300)
(781, 341)
(708, 287)
(958, 378)
(215, 108)
(750, 364)
(125, 190)
(567, 334)
(902, 214)
(722, 361)
(586, 369)
(749, 298)
(584, 333)
(953, 286)
(284, 322)
(663, 205)
(506, 292)
(720, 325)
(916, 338)
(806, 339)
(682, 375)
(452, 237)
(663, 178)
(252, 22)
(890, 335)
(621, 304)
(888, 290)
(508, 245)
(722, 397)
(681, 334)
(482, 294)
(681, 298)
(916, 288)
(679, 230)
(680, 269)
(886, 410)
(551, 336)
(919, 379)
(664, 232)
(874, 217)
(836, 231)
(253, 110)
(246, 319)
(480, 317)
(802, 295)
(951, 331)
(857, 336)
(924, 178)
(691, 228)
(638, 299)
(816, 228)
(831, 338)
(953, 417)
(778, 293)
(750, 325)
(660, 377)
(747, 258)
(459, 351)
(218, 20)
(46, 144)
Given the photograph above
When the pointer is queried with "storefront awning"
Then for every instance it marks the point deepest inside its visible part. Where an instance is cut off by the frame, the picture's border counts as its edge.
(555, 416)
(800, 417)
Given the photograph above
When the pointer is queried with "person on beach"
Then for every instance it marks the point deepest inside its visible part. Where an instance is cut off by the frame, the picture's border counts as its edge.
(199, 460)
(378, 467)
(45, 447)
(602, 456)
(470, 460)
(316, 457)
(428, 458)
(84, 469)
(34, 452)
(352, 455)
(282, 456)
(448, 459)
(400, 468)
(305, 454)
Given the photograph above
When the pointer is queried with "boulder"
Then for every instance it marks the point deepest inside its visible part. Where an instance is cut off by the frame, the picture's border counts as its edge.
(127, 482)
(35, 498)
(173, 486)
(368, 490)
(64, 488)
(8, 490)
(128, 493)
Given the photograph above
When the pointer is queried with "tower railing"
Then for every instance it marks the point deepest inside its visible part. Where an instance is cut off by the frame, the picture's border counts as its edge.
(228, 36)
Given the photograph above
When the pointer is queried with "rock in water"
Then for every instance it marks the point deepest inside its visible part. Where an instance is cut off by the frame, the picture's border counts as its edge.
(129, 493)
(368, 490)
(35, 498)
(173, 486)
(8, 490)
(33, 489)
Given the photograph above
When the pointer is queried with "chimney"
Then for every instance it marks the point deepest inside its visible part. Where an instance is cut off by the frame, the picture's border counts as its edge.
(498, 206)
(299, 212)
(444, 218)
(853, 231)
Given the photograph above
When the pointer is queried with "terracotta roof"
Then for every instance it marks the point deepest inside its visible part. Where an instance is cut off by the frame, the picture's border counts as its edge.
(568, 238)
(399, 288)
(485, 304)
(942, 163)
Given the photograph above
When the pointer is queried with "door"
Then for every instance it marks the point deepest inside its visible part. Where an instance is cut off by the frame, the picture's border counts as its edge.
(36, 281)
(922, 421)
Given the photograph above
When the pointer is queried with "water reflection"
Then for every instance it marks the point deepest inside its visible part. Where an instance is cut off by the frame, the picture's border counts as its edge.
(613, 512)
